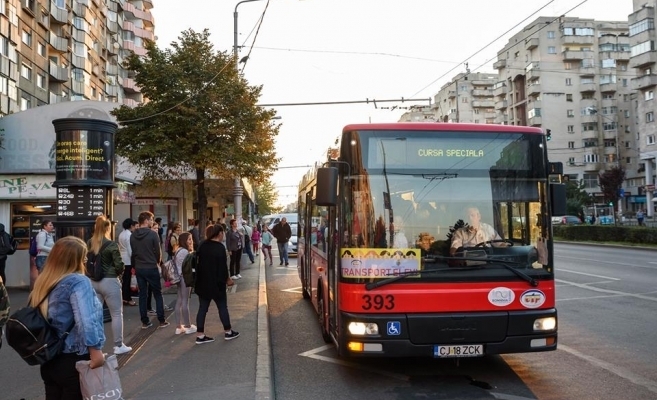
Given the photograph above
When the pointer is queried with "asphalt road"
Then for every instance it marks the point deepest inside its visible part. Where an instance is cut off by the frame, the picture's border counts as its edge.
(606, 300)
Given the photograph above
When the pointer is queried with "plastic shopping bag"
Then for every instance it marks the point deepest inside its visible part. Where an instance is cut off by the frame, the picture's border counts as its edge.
(133, 282)
(102, 382)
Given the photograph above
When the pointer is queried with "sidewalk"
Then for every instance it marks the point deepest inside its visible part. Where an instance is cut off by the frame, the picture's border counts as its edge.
(165, 365)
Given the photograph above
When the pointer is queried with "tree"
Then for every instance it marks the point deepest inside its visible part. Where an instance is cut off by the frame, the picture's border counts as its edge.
(200, 121)
(611, 182)
(577, 198)
(266, 198)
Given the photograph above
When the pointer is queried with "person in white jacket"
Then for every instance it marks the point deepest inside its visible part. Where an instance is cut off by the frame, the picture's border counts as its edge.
(45, 240)
(129, 225)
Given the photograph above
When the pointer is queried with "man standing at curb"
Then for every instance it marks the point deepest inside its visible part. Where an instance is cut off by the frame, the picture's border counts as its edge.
(282, 232)
(247, 240)
(146, 256)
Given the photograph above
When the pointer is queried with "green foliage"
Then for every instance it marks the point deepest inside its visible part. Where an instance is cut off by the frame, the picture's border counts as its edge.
(576, 197)
(200, 119)
(606, 233)
(611, 182)
(267, 196)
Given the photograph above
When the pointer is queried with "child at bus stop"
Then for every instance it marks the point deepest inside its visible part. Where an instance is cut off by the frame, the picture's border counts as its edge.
(255, 239)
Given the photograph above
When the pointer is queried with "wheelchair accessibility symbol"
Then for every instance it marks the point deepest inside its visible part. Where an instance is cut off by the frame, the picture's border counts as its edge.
(394, 328)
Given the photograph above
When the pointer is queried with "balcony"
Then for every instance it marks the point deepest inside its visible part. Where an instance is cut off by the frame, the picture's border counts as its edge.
(56, 98)
(575, 39)
(502, 119)
(80, 9)
(112, 69)
(534, 89)
(482, 93)
(573, 55)
(611, 134)
(641, 14)
(617, 55)
(81, 62)
(588, 87)
(59, 15)
(644, 82)
(643, 60)
(482, 104)
(112, 90)
(531, 43)
(57, 73)
(608, 87)
(535, 121)
(593, 118)
(58, 43)
(501, 105)
(499, 64)
(451, 94)
(130, 86)
(130, 102)
(591, 134)
(112, 26)
(533, 74)
(500, 90)
(590, 167)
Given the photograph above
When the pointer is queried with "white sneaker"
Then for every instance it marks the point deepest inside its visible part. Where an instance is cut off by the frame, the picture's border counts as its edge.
(122, 349)
(234, 277)
(190, 330)
(239, 276)
(179, 330)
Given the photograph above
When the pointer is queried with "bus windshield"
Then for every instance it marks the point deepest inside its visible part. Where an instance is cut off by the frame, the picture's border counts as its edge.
(430, 200)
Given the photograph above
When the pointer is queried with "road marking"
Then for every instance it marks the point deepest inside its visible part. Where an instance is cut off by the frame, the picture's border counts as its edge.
(313, 354)
(582, 273)
(293, 290)
(614, 369)
(608, 262)
(613, 292)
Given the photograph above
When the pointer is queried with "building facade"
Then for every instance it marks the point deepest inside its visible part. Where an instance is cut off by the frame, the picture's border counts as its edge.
(572, 76)
(643, 60)
(468, 97)
(65, 50)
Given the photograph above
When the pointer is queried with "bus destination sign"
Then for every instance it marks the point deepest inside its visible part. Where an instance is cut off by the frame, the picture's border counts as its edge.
(79, 202)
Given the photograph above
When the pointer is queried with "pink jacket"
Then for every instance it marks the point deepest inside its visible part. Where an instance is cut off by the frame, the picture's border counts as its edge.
(255, 236)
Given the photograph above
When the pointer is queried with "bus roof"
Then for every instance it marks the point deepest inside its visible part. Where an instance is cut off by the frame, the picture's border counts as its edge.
(442, 126)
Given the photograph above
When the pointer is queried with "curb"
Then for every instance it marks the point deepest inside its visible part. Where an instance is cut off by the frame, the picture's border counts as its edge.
(264, 384)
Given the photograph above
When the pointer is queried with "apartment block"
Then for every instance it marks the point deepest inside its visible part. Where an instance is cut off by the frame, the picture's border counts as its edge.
(643, 60)
(66, 50)
(572, 76)
(468, 97)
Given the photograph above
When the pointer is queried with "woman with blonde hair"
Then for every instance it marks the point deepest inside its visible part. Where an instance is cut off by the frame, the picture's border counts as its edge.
(183, 246)
(70, 300)
(108, 289)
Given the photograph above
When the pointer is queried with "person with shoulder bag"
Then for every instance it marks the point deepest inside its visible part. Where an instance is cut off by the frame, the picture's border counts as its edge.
(235, 245)
(66, 298)
(183, 247)
(211, 282)
(45, 240)
(108, 288)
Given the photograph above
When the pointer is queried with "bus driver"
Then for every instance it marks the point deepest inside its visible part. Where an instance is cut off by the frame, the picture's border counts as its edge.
(477, 232)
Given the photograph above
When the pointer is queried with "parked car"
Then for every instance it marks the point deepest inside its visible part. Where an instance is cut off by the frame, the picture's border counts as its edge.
(566, 220)
(292, 246)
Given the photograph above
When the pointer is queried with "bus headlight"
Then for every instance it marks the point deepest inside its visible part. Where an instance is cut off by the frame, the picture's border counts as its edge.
(363, 328)
(545, 324)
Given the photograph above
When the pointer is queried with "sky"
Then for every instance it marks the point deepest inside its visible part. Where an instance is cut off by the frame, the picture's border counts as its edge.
(317, 51)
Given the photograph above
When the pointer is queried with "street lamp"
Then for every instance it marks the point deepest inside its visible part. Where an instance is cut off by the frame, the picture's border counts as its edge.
(237, 185)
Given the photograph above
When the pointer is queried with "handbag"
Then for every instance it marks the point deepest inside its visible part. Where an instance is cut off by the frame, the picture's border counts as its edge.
(133, 282)
(102, 382)
(171, 271)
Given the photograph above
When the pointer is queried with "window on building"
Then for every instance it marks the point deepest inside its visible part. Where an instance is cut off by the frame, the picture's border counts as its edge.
(571, 145)
(605, 96)
(608, 63)
(624, 82)
(26, 104)
(41, 49)
(650, 116)
(27, 38)
(650, 139)
(589, 126)
(641, 48)
(628, 160)
(610, 143)
(591, 158)
(464, 99)
(570, 113)
(571, 128)
(569, 82)
(41, 81)
(26, 72)
(609, 126)
(640, 26)
(550, 35)
(569, 97)
(552, 50)
(571, 160)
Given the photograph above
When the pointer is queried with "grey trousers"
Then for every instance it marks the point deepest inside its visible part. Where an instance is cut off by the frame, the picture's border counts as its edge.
(108, 290)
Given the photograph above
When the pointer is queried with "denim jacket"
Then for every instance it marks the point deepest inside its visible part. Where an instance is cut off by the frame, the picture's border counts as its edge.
(75, 298)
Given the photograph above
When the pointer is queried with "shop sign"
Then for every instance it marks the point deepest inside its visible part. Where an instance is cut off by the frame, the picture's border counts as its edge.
(27, 187)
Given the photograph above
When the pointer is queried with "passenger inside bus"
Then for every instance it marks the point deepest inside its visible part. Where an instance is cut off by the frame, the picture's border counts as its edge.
(475, 233)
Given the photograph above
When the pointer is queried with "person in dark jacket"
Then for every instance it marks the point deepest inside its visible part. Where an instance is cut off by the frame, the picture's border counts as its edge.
(211, 281)
(108, 289)
(196, 235)
(146, 256)
(235, 245)
(282, 232)
(6, 248)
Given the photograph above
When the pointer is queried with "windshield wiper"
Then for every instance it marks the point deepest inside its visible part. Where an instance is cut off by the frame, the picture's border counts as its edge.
(399, 276)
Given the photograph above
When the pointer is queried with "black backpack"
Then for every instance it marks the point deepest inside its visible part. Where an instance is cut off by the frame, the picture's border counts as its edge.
(189, 269)
(33, 246)
(31, 335)
(94, 265)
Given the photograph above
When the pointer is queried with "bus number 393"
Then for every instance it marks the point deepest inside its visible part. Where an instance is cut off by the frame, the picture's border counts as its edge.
(378, 302)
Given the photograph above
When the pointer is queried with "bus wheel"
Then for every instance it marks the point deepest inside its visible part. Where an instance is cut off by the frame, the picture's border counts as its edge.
(322, 324)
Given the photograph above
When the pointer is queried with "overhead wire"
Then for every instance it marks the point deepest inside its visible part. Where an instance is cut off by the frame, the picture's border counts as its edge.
(262, 18)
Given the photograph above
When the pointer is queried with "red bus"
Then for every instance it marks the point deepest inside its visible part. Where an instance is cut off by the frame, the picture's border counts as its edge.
(432, 240)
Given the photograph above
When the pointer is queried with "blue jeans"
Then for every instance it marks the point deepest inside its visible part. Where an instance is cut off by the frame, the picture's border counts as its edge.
(204, 304)
(249, 251)
(149, 278)
(282, 252)
(40, 262)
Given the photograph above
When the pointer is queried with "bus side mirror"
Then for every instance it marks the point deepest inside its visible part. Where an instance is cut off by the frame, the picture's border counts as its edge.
(326, 193)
